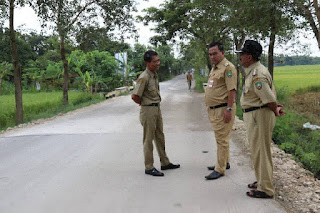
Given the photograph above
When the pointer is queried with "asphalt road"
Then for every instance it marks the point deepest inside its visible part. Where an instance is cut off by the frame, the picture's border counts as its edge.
(91, 160)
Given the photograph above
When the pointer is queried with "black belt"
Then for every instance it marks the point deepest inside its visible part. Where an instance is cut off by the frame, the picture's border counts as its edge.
(218, 106)
(253, 108)
(153, 104)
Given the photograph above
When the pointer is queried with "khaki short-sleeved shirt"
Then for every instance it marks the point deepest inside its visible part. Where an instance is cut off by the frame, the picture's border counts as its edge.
(189, 77)
(222, 78)
(147, 88)
(258, 89)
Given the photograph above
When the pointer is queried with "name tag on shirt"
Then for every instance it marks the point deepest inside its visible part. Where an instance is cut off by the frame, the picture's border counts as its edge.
(210, 83)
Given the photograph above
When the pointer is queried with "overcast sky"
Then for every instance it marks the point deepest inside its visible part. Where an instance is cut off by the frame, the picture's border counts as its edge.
(26, 17)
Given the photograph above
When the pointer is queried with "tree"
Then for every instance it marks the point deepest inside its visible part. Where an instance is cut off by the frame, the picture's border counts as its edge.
(135, 57)
(202, 21)
(277, 22)
(72, 15)
(93, 68)
(99, 38)
(16, 64)
(310, 11)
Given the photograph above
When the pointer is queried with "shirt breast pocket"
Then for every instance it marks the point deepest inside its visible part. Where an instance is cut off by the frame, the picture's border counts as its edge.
(246, 89)
(218, 79)
(152, 88)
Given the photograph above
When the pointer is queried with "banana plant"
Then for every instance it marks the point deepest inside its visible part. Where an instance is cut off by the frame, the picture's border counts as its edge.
(128, 69)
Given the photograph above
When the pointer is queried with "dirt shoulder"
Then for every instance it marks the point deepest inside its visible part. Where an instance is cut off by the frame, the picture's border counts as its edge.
(296, 188)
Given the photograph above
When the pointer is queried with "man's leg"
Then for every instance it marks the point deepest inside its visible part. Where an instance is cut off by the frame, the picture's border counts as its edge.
(222, 134)
(148, 122)
(259, 127)
(266, 123)
(160, 139)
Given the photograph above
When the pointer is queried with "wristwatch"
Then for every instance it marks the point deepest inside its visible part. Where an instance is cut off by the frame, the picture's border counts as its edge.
(229, 109)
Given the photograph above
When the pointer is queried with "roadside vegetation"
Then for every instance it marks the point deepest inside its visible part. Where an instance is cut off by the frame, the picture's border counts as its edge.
(91, 73)
(43, 105)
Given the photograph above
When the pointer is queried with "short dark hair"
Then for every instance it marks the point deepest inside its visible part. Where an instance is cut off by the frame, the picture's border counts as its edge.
(148, 55)
(218, 44)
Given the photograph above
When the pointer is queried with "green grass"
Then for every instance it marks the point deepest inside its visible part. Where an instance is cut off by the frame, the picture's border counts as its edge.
(199, 81)
(302, 143)
(293, 78)
(42, 105)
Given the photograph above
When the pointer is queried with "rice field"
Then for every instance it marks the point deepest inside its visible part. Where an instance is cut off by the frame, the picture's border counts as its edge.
(42, 104)
(293, 78)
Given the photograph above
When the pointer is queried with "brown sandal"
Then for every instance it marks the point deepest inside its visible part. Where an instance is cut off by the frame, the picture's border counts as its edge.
(253, 185)
(258, 194)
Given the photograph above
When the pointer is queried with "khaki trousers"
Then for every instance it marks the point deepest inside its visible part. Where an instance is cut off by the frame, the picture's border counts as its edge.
(259, 125)
(151, 120)
(222, 134)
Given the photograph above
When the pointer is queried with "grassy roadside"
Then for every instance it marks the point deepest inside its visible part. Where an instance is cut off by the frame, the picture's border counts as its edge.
(298, 88)
(199, 80)
(42, 105)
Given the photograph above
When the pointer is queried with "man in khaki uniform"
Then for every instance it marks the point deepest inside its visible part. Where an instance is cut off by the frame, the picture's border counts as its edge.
(189, 80)
(260, 107)
(220, 100)
(147, 95)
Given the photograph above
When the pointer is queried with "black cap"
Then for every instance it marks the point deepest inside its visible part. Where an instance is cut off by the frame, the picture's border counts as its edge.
(251, 47)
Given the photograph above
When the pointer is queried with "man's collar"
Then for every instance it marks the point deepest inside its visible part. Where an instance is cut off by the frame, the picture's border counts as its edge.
(152, 74)
(251, 67)
(221, 63)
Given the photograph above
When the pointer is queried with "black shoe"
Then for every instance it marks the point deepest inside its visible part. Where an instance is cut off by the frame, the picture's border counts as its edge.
(213, 175)
(212, 167)
(153, 172)
(170, 166)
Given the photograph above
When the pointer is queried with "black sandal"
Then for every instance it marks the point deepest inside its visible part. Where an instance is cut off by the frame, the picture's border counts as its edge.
(258, 194)
(253, 185)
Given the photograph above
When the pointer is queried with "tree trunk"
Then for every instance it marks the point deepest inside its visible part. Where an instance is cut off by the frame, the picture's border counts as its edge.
(208, 59)
(273, 29)
(239, 43)
(317, 11)
(62, 34)
(270, 53)
(66, 69)
(17, 68)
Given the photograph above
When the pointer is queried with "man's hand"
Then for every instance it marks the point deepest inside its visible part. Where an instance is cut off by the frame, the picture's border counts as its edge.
(227, 116)
(136, 99)
(279, 111)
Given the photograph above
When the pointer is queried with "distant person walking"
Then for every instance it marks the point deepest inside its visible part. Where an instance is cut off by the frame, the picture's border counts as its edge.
(147, 95)
(189, 79)
(220, 100)
(259, 105)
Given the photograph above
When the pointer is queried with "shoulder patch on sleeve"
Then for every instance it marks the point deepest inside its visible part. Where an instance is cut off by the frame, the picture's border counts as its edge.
(258, 85)
(140, 80)
(229, 74)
